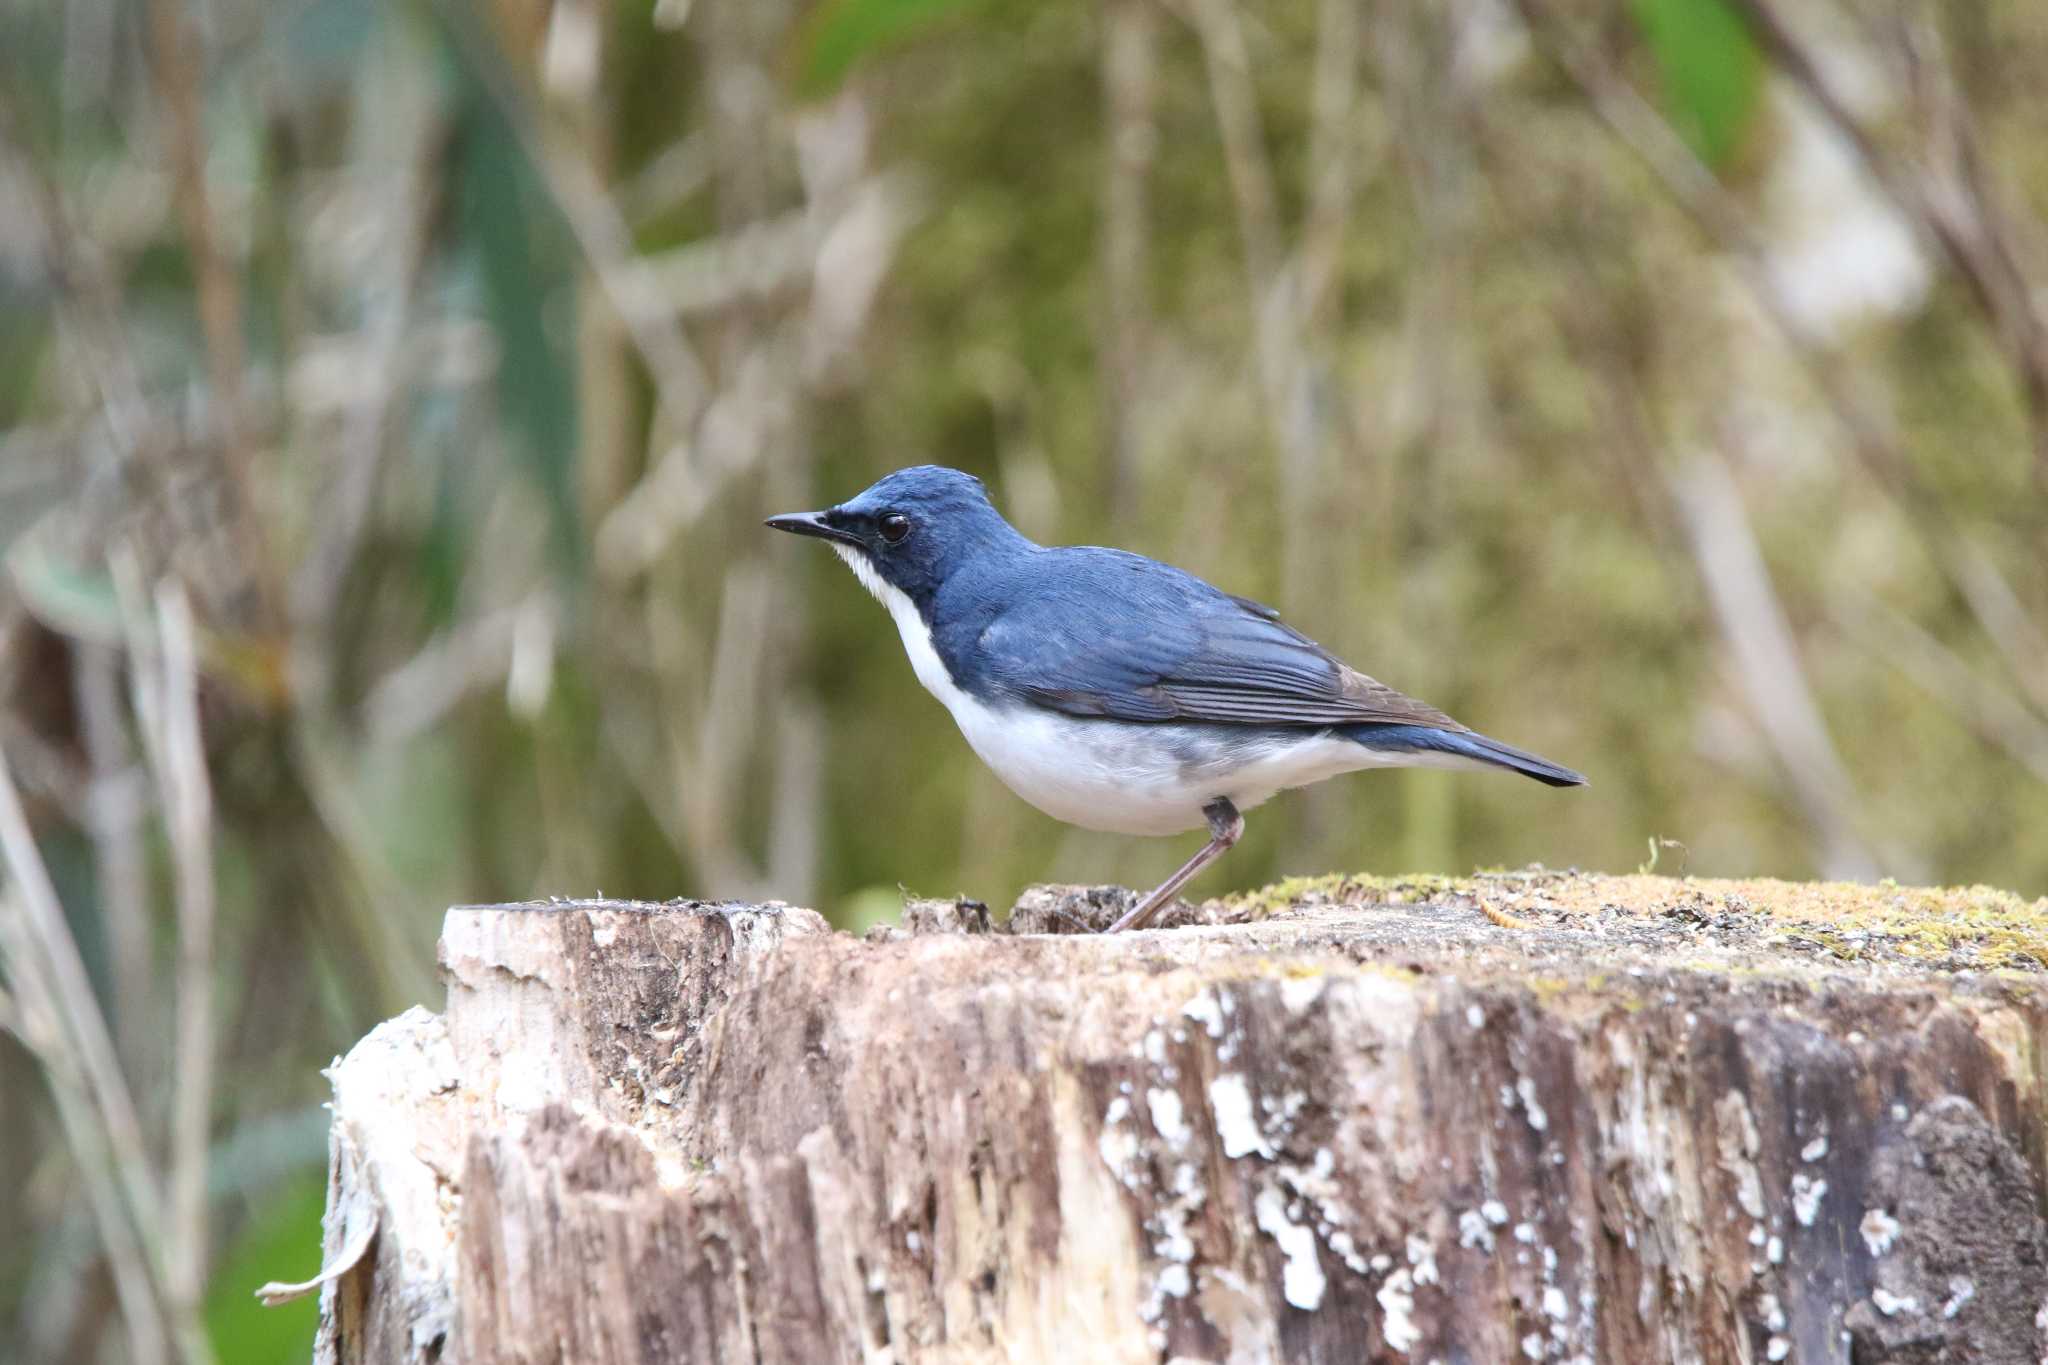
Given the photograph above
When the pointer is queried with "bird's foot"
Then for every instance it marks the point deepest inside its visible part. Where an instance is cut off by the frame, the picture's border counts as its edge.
(1226, 827)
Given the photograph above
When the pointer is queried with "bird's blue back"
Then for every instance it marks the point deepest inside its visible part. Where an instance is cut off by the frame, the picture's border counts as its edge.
(1101, 632)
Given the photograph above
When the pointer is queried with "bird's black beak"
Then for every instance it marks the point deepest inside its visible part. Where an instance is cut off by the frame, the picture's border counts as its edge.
(812, 524)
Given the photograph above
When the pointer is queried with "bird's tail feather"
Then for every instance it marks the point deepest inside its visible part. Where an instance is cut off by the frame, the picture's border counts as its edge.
(1428, 739)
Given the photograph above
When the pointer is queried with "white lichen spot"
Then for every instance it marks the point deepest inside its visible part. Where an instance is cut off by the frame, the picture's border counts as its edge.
(1814, 1150)
(1879, 1231)
(1297, 993)
(1167, 1116)
(1525, 1233)
(1236, 1122)
(1301, 1278)
(1422, 1258)
(1555, 1306)
(1473, 1232)
(1777, 1348)
(1899, 1113)
(1532, 1346)
(1891, 1305)
(1526, 1088)
(1806, 1196)
(1155, 1047)
(1176, 1245)
(1494, 1212)
(1774, 1251)
(1397, 1304)
(1205, 1010)
(1773, 1312)
(1118, 1144)
(1174, 1281)
(1475, 1017)
(1735, 1128)
(1172, 1225)
(1960, 1292)
(1381, 1263)
(1757, 1234)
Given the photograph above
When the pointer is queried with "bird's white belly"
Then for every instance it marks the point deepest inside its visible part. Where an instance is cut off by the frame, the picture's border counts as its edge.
(1125, 777)
(1133, 778)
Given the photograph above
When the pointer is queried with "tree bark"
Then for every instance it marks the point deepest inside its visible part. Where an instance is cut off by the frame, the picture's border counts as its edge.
(1644, 1120)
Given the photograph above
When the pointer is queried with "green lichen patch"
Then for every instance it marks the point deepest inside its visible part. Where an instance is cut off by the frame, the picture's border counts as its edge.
(1978, 928)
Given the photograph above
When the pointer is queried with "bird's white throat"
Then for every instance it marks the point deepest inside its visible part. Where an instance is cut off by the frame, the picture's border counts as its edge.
(917, 636)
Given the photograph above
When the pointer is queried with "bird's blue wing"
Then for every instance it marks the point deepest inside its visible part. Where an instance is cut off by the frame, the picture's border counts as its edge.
(1105, 633)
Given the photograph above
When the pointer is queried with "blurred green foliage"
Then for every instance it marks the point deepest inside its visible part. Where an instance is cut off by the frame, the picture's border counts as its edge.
(278, 1243)
(1456, 430)
(839, 34)
(1709, 68)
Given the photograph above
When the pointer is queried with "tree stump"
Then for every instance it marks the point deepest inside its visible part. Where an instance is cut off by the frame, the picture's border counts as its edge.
(1628, 1119)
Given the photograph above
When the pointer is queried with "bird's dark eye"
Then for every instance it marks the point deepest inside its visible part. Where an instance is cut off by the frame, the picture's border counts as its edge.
(895, 527)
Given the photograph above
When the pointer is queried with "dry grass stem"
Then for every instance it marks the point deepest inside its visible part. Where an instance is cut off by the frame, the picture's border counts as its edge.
(186, 797)
(1768, 664)
(114, 813)
(34, 1017)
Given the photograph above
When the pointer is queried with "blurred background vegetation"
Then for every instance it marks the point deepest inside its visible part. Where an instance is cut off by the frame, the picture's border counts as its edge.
(390, 394)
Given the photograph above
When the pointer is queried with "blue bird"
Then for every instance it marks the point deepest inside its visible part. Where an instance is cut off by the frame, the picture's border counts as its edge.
(1115, 692)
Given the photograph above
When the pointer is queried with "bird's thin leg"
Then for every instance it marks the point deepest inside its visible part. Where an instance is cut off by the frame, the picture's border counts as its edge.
(1225, 828)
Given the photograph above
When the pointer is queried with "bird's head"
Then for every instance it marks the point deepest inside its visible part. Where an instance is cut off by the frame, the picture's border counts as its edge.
(911, 529)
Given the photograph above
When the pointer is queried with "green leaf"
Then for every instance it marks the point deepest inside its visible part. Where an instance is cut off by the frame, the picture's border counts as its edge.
(522, 251)
(1709, 68)
(842, 33)
(280, 1242)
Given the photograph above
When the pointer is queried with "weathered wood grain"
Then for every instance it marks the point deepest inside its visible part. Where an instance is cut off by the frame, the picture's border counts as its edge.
(1680, 1127)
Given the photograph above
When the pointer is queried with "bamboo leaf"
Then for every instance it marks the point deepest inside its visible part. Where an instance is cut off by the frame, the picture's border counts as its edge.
(843, 33)
(1709, 70)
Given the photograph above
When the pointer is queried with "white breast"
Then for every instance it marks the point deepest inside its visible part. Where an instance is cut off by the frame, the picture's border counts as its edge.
(1123, 777)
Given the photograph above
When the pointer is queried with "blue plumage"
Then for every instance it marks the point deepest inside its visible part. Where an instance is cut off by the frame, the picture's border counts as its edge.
(1117, 692)
(1423, 739)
